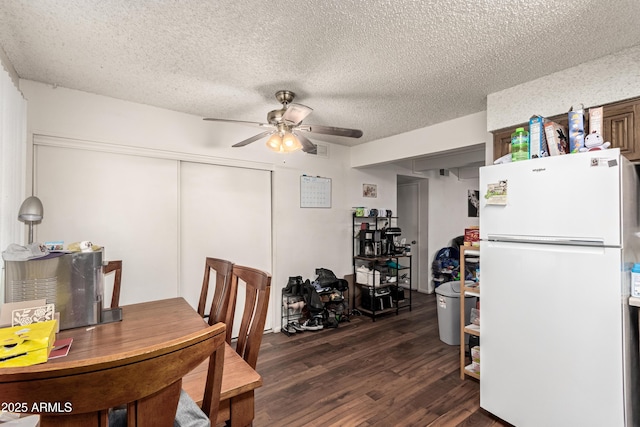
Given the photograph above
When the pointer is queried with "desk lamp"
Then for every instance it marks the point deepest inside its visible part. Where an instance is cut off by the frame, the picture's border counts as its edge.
(31, 211)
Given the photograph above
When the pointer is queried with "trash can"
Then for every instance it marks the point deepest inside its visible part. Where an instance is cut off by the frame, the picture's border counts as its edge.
(448, 299)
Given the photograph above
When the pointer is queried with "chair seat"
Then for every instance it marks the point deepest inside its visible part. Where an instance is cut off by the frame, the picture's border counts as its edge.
(237, 378)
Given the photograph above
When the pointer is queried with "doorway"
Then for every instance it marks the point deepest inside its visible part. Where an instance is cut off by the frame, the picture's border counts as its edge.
(412, 199)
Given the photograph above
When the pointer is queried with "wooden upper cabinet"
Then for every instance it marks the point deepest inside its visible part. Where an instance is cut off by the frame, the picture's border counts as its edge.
(502, 143)
(621, 127)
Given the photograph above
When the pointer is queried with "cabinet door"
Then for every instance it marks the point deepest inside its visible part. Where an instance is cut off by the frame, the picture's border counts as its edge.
(502, 143)
(621, 128)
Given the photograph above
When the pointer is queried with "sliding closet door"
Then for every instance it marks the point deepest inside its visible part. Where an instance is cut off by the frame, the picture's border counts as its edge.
(162, 217)
(128, 204)
(226, 213)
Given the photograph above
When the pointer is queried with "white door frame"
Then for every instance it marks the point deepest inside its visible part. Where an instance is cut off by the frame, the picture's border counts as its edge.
(420, 251)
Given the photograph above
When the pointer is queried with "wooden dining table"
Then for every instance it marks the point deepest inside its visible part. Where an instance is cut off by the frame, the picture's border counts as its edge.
(142, 325)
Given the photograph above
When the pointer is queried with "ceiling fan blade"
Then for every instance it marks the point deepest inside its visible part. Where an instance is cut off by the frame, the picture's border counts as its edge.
(329, 130)
(296, 113)
(307, 146)
(253, 138)
(238, 121)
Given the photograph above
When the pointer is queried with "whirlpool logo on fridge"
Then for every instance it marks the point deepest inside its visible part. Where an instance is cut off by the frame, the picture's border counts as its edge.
(539, 170)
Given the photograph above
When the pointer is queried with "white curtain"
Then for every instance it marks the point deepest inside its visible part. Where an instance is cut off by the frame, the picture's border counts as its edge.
(13, 132)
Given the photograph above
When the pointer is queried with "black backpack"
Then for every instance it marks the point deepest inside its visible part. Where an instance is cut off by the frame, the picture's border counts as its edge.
(312, 299)
(327, 279)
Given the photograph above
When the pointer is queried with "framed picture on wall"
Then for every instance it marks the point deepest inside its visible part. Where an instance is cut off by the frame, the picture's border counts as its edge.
(474, 203)
(370, 190)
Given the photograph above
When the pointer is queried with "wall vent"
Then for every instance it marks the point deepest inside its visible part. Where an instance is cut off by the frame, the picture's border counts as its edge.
(323, 150)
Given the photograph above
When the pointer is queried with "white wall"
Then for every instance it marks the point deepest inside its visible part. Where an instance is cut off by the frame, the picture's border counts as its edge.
(8, 68)
(13, 126)
(448, 213)
(304, 239)
(450, 135)
(605, 80)
(447, 196)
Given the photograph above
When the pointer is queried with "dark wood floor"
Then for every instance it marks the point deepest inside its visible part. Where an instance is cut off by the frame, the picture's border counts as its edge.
(392, 372)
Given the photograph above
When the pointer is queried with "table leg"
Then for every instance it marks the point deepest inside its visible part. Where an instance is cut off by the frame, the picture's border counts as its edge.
(242, 409)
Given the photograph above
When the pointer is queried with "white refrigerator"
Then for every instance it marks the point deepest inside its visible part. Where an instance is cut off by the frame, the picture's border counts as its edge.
(558, 340)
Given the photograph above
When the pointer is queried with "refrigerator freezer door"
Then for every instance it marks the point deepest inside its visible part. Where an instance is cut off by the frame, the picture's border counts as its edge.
(575, 195)
(551, 349)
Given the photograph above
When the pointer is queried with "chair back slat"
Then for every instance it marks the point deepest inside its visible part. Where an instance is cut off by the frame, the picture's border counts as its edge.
(110, 267)
(221, 302)
(257, 286)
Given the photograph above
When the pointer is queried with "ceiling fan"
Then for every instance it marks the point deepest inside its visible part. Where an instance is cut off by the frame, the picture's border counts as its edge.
(287, 129)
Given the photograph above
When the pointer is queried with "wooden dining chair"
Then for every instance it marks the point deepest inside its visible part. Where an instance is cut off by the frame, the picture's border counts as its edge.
(148, 383)
(220, 309)
(257, 285)
(110, 267)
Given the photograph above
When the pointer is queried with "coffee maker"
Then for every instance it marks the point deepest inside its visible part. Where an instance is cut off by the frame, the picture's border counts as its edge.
(390, 245)
(377, 243)
(366, 241)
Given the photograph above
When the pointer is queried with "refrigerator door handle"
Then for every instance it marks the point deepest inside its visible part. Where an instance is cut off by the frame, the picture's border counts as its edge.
(551, 240)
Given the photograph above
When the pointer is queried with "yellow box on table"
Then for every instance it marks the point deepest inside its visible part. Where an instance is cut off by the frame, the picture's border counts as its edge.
(26, 345)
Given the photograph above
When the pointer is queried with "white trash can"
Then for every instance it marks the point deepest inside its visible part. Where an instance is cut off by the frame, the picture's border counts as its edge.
(448, 299)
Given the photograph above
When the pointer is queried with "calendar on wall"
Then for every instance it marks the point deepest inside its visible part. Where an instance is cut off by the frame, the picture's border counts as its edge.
(315, 192)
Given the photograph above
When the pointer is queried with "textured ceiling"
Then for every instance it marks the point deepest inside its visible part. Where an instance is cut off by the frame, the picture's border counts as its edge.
(385, 66)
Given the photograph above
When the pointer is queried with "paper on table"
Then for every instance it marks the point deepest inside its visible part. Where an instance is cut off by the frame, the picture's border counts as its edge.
(60, 348)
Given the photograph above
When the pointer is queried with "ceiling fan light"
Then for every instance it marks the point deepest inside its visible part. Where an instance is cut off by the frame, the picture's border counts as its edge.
(275, 143)
(290, 142)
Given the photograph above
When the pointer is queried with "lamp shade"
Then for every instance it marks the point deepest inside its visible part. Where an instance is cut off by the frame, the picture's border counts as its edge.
(31, 210)
(285, 143)
(275, 143)
(290, 143)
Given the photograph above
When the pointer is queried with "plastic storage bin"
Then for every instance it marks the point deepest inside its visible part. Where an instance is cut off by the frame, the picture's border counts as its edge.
(448, 300)
(364, 276)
